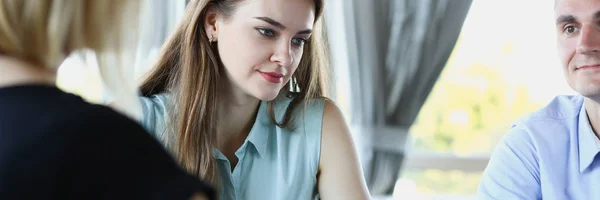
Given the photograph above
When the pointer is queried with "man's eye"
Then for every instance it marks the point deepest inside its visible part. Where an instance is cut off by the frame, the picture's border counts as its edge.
(570, 29)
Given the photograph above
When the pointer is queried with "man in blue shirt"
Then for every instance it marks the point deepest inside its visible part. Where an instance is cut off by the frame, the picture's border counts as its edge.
(552, 153)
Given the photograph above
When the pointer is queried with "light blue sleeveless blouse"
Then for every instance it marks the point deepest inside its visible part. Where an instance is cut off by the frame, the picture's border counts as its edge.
(274, 163)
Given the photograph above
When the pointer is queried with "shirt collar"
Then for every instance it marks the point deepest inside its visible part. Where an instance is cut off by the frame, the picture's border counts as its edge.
(259, 134)
(588, 142)
(218, 155)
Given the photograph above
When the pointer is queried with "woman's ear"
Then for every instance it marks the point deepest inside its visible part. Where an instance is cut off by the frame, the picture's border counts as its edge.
(210, 24)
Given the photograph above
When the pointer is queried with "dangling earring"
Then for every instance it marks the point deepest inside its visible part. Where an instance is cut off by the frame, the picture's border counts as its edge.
(211, 39)
(294, 88)
(294, 85)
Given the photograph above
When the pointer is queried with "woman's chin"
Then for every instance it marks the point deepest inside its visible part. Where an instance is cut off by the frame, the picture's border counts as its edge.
(267, 96)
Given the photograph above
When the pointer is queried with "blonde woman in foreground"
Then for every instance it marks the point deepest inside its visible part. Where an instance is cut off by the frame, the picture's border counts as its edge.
(53, 145)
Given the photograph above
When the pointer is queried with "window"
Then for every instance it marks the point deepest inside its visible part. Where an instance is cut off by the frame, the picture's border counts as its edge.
(83, 78)
(503, 67)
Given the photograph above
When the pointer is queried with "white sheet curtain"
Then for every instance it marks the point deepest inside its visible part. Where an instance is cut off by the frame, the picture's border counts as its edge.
(158, 21)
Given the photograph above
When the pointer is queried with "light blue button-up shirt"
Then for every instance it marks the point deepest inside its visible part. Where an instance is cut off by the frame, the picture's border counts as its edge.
(273, 163)
(550, 154)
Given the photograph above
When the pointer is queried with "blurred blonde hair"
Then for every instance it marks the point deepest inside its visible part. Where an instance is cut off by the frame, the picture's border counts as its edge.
(45, 32)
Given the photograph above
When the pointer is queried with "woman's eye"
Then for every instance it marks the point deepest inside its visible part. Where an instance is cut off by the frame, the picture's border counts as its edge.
(299, 41)
(266, 32)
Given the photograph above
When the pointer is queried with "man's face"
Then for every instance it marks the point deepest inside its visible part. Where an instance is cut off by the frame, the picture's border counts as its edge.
(578, 39)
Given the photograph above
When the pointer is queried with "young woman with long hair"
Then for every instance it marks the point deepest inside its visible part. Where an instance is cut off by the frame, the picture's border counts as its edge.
(238, 96)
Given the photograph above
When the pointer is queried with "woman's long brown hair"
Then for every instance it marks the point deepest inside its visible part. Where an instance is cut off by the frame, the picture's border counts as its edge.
(188, 68)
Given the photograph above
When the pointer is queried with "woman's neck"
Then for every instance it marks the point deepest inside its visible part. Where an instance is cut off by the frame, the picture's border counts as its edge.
(236, 115)
(17, 72)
